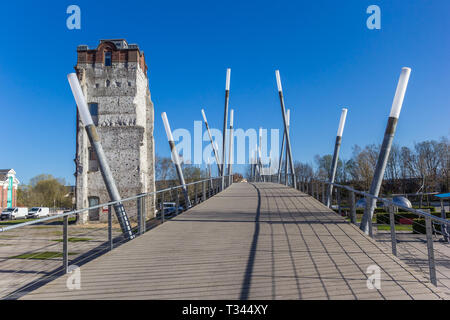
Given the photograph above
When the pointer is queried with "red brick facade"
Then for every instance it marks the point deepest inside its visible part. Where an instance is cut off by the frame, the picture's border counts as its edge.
(118, 55)
(4, 187)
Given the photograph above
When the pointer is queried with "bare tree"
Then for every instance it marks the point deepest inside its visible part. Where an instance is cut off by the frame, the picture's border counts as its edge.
(303, 171)
(392, 173)
(164, 168)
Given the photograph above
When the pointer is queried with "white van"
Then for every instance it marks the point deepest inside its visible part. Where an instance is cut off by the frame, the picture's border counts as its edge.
(14, 213)
(38, 212)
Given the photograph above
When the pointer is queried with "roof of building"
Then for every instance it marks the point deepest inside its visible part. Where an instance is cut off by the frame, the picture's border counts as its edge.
(4, 173)
(4, 176)
(120, 44)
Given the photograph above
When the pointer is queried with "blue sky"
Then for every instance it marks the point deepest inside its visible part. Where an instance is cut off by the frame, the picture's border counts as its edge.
(327, 57)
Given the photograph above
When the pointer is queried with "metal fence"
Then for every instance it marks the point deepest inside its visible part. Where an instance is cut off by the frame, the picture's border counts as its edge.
(422, 226)
(35, 252)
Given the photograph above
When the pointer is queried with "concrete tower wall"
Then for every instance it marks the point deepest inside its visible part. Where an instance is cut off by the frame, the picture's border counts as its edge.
(125, 126)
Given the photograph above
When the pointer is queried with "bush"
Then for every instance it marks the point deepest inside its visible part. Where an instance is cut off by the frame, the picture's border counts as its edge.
(419, 226)
(383, 218)
(431, 208)
(377, 210)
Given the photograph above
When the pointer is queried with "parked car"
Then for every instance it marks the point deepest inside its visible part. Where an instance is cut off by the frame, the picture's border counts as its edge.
(14, 213)
(361, 204)
(38, 212)
(169, 208)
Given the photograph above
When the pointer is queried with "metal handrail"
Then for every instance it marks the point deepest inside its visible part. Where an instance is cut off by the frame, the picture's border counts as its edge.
(390, 202)
(429, 218)
(61, 215)
(384, 200)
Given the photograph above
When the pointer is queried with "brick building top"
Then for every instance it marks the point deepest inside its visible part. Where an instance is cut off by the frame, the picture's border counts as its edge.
(112, 50)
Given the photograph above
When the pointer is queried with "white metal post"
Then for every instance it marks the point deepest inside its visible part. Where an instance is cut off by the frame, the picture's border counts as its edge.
(214, 146)
(230, 148)
(175, 158)
(225, 120)
(94, 139)
(288, 140)
(385, 148)
(334, 163)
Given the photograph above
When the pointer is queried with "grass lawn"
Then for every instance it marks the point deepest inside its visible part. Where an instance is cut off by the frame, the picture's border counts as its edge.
(74, 239)
(12, 222)
(7, 236)
(41, 255)
(398, 227)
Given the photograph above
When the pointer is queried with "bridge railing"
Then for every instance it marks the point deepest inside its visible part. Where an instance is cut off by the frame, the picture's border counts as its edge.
(408, 229)
(36, 251)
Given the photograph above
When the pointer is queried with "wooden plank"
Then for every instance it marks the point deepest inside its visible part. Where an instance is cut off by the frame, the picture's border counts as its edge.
(252, 241)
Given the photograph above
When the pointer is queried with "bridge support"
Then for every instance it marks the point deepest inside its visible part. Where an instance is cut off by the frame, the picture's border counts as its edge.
(230, 148)
(334, 163)
(225, 121)
(286, 173)
(281, 158)
(385, 148)
(175, 159)
(94, 139)
(216, 152)
(288, 140)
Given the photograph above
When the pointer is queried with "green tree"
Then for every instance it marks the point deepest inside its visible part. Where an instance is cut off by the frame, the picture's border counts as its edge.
(45, 191)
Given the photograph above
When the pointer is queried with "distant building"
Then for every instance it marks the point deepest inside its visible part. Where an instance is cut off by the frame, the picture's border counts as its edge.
(8, 188)
(114, 79)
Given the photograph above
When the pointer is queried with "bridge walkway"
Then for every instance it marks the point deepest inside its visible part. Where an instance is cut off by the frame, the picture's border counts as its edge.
(251, 241)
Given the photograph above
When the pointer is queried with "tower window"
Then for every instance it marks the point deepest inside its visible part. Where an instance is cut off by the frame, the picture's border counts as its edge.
(93, 163)
(94, 214)
(93, 109)
(92, 154)
(108, 60)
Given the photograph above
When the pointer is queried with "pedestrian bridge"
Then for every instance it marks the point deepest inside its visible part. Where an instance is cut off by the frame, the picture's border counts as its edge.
(251, 241)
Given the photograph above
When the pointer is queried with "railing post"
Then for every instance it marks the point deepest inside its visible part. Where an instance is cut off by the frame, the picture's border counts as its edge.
(313, 189)
(368, 203)
(204, 190)
(323, 193)
(392, 224)
(338, 191)
(195, 191)
(139, 214)
(444, 227)
(431, 264)
(316, 190)
(162, 207)
(177, 202)
(144, 214)
(210, 188)
(65, 244)
(110, 239)
(353, 208)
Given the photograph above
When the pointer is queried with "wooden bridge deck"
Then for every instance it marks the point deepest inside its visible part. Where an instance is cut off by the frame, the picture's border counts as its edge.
(252, 241)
